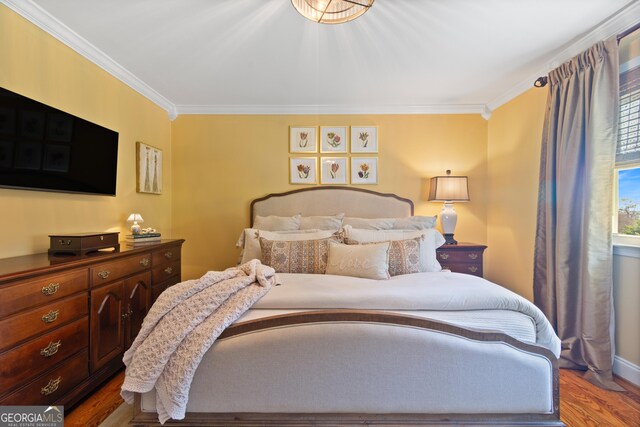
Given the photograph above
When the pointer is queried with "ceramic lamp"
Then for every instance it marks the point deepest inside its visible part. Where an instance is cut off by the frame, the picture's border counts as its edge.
(135, 217)
(449, 189)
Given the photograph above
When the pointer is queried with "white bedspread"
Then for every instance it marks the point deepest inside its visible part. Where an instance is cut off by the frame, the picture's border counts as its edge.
(441, 292)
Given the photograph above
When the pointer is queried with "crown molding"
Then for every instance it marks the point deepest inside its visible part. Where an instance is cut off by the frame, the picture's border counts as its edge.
(622, 20)
(45, 21)
(331, 109)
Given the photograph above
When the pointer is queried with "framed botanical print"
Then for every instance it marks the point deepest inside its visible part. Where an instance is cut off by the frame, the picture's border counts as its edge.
(149, 169)
(303, 170)
(303, 140)
(333, 170)
(364, 139)
(333, 139)
(364, 170)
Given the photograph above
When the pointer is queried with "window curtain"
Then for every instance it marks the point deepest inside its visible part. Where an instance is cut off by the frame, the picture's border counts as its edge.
(573, 250)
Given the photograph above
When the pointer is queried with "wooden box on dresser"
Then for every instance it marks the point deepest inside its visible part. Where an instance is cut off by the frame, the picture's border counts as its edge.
(65, 322)
(462, 258)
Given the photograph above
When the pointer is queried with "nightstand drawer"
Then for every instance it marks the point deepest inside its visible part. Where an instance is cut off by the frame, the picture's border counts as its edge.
(474, 269)
(459, 256)
(108, 272)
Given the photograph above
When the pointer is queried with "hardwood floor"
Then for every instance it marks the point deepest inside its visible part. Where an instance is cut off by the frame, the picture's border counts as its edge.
(581, 403)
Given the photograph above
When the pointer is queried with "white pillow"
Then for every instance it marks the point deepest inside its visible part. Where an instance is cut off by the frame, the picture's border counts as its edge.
(277, 223)
(252, 239)
(367, 261)
(432, 240)
(333, 222)
(415, 223)
(370, 223)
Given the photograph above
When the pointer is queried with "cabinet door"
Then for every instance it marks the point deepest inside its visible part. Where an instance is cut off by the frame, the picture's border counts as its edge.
(107, 334)
(137, 292)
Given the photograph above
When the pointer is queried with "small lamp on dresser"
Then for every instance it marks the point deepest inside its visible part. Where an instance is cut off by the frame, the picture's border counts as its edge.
(135, 217)
(449, 189)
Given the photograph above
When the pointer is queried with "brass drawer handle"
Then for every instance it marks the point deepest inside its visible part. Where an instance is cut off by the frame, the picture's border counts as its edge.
(473, 256)
(125, 316)
(51, 387)
(144, 262)
(473, 268)
(51, 349)
(168, 270)
(64, 242)
(51, 316)
(444, 256)
(168, 255)
(50, 289)
(104, 274)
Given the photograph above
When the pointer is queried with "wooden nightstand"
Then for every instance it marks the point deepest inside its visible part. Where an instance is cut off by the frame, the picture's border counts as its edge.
(461, 258)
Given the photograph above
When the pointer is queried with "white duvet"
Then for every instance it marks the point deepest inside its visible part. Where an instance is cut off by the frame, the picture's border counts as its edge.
(470, 300)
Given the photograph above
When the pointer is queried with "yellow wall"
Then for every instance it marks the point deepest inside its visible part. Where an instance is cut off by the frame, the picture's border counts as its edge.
(38, 66)
(222, 162)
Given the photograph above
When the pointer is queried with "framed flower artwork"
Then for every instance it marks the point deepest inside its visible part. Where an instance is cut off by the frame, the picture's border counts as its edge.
(364, 139)
(364, 170)
(333, 139)
(303, 170)
(333, 170)
(303, 140)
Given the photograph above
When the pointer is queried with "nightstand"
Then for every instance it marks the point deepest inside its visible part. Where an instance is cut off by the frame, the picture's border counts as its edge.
(461, 258)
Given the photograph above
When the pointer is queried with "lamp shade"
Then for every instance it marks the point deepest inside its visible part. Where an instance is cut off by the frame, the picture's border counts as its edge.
(136, 217)
(449, 189)
(331, 11)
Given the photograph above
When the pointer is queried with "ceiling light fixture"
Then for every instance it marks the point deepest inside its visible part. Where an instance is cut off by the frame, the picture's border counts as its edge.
(332, 11)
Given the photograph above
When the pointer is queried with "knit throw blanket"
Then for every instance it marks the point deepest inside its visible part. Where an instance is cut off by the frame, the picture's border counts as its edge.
(182, 324)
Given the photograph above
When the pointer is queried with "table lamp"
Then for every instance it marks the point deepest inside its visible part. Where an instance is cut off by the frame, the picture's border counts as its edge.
(449, 189)
(135, 217)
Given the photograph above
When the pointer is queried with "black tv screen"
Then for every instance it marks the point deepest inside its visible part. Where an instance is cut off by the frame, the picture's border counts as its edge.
(43, 148)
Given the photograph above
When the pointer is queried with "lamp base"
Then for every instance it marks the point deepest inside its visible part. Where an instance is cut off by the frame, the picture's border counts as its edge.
(449, 240)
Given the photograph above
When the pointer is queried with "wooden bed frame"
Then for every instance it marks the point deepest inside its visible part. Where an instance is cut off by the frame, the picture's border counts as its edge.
(142, 418)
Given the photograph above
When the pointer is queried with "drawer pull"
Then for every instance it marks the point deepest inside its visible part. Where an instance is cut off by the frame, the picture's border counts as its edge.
(473, 256)
(51, 387)
(168, 270)
(125, 316)
(51, 349)
(444, 256)
(473, 268)
(104, 274)
(168, 255)
(64, 242)
(50, 289)
(51, 316)
(144, 262)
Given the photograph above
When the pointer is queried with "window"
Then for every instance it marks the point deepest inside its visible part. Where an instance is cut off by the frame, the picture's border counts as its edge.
(626, 222)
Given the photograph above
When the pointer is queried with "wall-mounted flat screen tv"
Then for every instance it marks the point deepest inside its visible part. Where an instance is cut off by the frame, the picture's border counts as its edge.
(43, 148)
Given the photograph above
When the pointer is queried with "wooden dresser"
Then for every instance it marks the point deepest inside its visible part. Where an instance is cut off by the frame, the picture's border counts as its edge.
(462, 258)
(66, 322)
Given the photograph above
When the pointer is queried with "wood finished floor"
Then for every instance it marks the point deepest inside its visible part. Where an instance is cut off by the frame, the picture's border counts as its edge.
(581, 403)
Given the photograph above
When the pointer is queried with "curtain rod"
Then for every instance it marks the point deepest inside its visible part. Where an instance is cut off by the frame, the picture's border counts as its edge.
(542, 81)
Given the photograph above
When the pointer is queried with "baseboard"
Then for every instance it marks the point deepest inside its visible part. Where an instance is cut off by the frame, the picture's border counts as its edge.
(627, 370)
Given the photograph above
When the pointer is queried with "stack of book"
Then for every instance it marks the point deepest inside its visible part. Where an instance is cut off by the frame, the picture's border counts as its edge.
(142, 239)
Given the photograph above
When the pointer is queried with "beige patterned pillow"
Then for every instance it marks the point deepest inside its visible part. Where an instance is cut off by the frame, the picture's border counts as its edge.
(404, 255)
(368, 261)
(302, 256)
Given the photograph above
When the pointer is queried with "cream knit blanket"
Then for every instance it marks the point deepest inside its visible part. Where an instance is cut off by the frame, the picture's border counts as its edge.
(181, 326)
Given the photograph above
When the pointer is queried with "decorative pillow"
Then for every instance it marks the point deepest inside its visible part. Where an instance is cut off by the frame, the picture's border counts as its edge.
(432, 240)
(301, 256)
(404, 255)
(333, 222)
(367, 261)
(277, 223)
(415, 223)
(252, 243)
(370, 223)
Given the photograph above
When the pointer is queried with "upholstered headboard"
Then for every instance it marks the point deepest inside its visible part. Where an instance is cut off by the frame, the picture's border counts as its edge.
(331, 200)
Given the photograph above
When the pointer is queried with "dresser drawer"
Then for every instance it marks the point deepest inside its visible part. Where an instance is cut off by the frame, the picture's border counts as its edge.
(33, 322)
(50, 387)
(459, 256)
(159, 288)
(31, 293)
(166, 255)
(110, 271)
(36, 356)
(166, 271)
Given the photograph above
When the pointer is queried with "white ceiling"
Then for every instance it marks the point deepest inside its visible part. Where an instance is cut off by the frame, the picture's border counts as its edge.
(253, 56)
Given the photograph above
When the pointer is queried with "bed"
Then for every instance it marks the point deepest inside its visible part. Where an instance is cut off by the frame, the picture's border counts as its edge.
(333, 350)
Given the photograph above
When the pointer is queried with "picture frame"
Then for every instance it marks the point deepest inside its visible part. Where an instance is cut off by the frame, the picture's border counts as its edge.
(364, 139)
(333, 170)
(333, 139)
(59, 127)
(303, 170)
(364, 170)
(148, 169)
(7, 121)
(303, 139)
(56, 158)
(28, 155)
(32, 125)
(6, 154)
